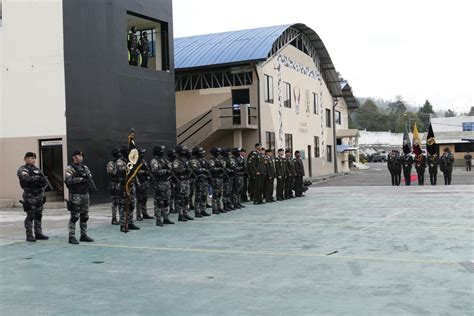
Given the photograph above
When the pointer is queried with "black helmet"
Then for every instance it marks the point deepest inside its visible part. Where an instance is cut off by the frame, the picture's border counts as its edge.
(236, 151)
(181, 150)
(142, 151)
(159, 151)
(199, 152)
(226, 152)
(215, 151)
(124, 151)
(116, 153)
(171, 153)
(188, 153)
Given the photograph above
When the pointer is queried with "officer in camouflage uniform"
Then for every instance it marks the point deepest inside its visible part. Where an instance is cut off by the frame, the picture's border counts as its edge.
(142, 187)
(256, 168)
(161, 171)
(229, 173)
(290, 175)
(244, 197)
(114, 183)
(33, 182)
(79, 181)
(216, 168)
(182, 172)
(280, 173)
(269, 176)
(122, 177)
(201, 176)
(239, 177)
(171, 154)
(192, 181)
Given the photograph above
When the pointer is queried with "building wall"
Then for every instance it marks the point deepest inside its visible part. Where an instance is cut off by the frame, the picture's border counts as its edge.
(32, 84)
(105, 93)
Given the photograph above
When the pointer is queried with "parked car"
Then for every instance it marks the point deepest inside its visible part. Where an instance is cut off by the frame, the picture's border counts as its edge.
(377, 158)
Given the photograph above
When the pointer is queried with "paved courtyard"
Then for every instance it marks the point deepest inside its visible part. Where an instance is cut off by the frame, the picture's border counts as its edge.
(350, 249)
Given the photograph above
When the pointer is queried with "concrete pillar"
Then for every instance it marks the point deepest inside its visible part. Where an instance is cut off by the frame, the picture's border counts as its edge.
(237, 138)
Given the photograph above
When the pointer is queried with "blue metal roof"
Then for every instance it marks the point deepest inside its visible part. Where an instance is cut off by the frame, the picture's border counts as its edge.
(225, 48)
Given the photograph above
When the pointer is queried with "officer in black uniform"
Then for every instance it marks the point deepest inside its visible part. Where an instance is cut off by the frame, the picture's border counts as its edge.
(143, 47)
(447, 161)
(33, 182)
(280, 173)
(132, 45)
(407, 162)
(420, 167)
(299, 174)
(79, 181)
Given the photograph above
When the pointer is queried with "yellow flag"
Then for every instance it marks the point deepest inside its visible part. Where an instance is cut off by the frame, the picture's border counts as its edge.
(416, 141)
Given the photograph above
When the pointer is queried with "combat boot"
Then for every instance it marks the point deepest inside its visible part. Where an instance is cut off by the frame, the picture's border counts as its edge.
(167, 221)
(188, 217)
(86, 238)
(139, 217)
(241, 205)
(146, 216)
(215, 212)
(114, 221)
(73, 240)
(30, 237)
(197, 214)
(40, 236)
(204, 213)
(181, 218)
(159, 222)
(133, 227)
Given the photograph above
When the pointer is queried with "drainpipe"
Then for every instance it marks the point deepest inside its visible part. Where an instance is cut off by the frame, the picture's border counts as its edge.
(335, 102)
(258, 106)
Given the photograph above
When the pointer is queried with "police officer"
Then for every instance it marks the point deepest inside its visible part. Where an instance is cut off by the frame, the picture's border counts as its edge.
(290, 175)
(269, 180)
(468, 159)
(299, 174)
(447, 160)
(433, 167)
(239, 177)
(133, 47)
(245, 187)
(33, 183)
(420, 166)
(114, 183)
(171, 154)
(160, 169)
(407, 162)
(394, 166)
(216, 169)
(142, 187)
(256, 168)
(181, 171)
(143, 47)
(78, 179)
(280, 173)
(390, 166)
(125, 201)
(229, 173)
(192, 181)
(201, 175)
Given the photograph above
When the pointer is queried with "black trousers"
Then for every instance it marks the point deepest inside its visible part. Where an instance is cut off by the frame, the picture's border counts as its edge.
(289, 186)
(299, 185)
(268, 188)
(280, 189)
(433, 175)
(407, 175)
(421, 176)
(251, 188)
(468, 166)
(244, 189)
(145, 60)
(447, 176)
(258, 189)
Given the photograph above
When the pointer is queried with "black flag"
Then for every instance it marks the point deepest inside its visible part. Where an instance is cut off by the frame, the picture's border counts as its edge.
(430, 141)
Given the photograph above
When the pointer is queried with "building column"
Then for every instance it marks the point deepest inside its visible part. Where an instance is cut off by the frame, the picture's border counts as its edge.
(237, 138)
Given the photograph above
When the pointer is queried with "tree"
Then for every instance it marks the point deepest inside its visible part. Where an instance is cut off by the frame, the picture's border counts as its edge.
(471, 112)
(369, 117)
(424, 114)
(449, 113)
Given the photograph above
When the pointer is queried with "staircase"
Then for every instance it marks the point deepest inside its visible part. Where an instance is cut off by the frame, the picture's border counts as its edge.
(217, 119)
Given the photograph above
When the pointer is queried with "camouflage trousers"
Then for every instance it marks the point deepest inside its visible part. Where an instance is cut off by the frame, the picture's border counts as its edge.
(162, 196)
(142, 198)
(182, 192)
(217, 190)
(115, 199)
(237, 190)
(200, 199)
(79, 209)
(227, 192)
(192, 192)
(33, 206)
(122, 208)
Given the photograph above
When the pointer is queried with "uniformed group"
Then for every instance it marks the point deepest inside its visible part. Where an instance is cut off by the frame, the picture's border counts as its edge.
(180, 179)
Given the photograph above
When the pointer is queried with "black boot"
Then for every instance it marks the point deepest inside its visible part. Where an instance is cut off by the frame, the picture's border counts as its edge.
(181, 218)
(122, 229)
(203, 213)
(241, 205)
(146, 216)
(133, 227)
(188, 217)
(167, 221)
(139, 218)
(159, 222)
(197, 214)
(86, 238)
(216, 212)
(114, 221)
(40, 236)
(30, 237)
(73, 240)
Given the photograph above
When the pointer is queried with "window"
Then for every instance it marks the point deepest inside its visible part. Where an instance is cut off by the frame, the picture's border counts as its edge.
(316, 147)
(287, 95)
(468, 126)
(315, 103)
(337, 117)
(329, 150)
(289, 142)
(339, 141)
(270, 141)
(328, 118)
(268, 89)
(464, 147)
(147, 42)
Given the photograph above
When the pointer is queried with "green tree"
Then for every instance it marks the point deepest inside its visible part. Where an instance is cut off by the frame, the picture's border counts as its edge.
(471, 112)
(369, 117)
(449, 113)
(424, 114)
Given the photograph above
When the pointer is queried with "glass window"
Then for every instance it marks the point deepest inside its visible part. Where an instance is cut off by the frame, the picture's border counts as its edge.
(268, 93)
(328, 118)
(289, 142)
(287, 95)
(316, 147)
(329, 150)
(315, 103)
(468, 126)
(337, 117)
(270, 141)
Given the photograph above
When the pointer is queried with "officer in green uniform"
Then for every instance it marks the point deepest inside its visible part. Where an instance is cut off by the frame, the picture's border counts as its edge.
(280, 174)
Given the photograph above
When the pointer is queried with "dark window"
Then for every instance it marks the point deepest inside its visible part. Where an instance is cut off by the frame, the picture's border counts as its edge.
(316, 147)
(339, 141)
(315, 103)
(468, 126)
(464, 147)
(287, 95)
(289, 142)
(268, 89)
(328, 118)
(270, 141)
(337, 117)
(329, 150)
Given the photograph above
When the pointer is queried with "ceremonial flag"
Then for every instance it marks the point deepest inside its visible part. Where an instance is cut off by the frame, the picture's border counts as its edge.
(406, 143)
(431, 141)
(416, 141)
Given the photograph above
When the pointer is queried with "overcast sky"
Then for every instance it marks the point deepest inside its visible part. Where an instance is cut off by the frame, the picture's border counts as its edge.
(417, 49)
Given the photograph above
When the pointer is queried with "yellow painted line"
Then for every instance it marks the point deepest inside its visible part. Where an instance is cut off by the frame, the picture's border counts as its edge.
(264, 253)
(339, 225)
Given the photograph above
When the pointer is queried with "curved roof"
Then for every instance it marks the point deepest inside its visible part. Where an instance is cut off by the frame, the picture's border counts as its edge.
(246, 46)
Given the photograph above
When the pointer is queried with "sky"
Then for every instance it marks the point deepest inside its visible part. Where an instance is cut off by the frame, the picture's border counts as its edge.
(417, 49)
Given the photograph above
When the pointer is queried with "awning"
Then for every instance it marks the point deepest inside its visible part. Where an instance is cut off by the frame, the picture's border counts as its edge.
(345, 148)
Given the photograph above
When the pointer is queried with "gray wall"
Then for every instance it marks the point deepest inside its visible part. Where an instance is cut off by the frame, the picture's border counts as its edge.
(105, 97)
